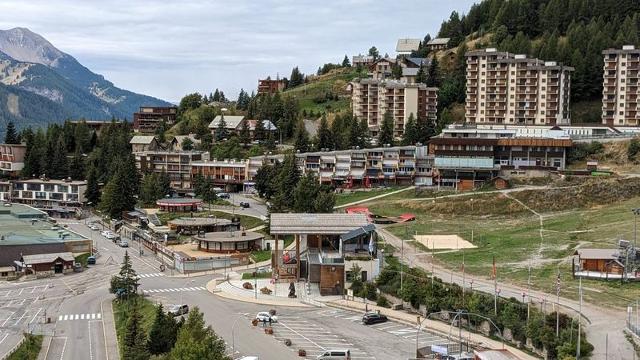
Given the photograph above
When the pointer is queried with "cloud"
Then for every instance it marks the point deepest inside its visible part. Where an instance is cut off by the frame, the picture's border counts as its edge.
(170, 48)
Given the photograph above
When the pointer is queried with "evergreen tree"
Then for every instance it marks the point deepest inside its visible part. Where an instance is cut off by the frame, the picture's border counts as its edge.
(287, 179)
(126, 281)
(59, 166)
(396, 71)
(386, 130)
(305, 193)
(259, 133)
(296, 78)
(301, 138)
(11, 136)
(34, 155)
(409, 136)
(346, 62)
(373, 51)
(163, 332)
(245, 134)
(325, 139)
(187, 144)
(76, 168)
(204, 189)
(221, 129)
(265, 182)
(216, 95)
(364, 134)
(134, 343)
(324, 201)
(92, 193)
(432, 74)
(118, 194)
(196, 341)
(421, 76)
(190, 102)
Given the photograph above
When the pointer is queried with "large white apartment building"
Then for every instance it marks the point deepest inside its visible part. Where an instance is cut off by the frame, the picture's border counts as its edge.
(504, 88)
(44, 193)
(372, 98)
(620, 87)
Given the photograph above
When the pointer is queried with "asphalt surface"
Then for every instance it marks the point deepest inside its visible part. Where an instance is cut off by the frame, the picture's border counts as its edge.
(77, 305)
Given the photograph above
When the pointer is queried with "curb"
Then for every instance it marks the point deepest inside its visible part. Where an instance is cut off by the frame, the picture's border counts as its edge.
(212, 289)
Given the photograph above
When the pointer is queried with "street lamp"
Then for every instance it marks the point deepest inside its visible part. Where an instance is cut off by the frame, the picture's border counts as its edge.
(636, 212)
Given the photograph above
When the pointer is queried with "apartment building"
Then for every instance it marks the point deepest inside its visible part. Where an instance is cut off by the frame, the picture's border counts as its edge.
(269, 86)
(12, 158)
(620, 87)
(465, 157)
(226, 173)
(371, 98)
(148, 118)
(362, 60)
(44, 193)
(176, 164)
(503, 88)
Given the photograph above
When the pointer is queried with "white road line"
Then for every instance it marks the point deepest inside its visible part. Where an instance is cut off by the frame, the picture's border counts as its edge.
(99, 315)
(64, 346)
(5, 336)
(20, 319)
(302, 336)
(93, 316)
(60, 318)
(81, 316)
(77, 316)
(65, 317)
(21, 290)
(90, 347)
(36, 315)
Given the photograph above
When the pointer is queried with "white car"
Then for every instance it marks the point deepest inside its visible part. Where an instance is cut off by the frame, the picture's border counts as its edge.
(94, 227)
(108, 234)
(265, 316)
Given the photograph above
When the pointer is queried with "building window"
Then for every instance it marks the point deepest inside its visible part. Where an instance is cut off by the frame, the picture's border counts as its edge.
(48, 187)
(482, 73)
(622, 72)
(482, 81)
(512, 89)
(621, 113)
(544, 88)
(63, 188)
(33, 187)
(512, 96)
(544, 80)
(621, 97)
(513, 73)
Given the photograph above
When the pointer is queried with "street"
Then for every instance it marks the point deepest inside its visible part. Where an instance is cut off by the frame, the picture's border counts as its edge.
(81, 325)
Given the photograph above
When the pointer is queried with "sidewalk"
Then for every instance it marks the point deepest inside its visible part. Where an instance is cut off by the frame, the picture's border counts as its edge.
(109, 327)
(232, 289)
(432, 325)
(373, 198)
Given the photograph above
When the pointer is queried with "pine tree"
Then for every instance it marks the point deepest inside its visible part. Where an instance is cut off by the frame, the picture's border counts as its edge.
(221, 129)
(245, 134)
(287, 179)
(163, 332)
(125, 283)
(11, 136)
(134, 344)
(364, 134)
(59, 166)
(386, 130)
(305, 192)
(216, 95)
(196, 341)
(76, 167)
(324, 202)
(92, 194)
(373, 51)
(296, 78)
(118, 194)
(421, 76)
(259, 132)
(301, 137)
(432, 74)
(325, 139)
(346, 62)
(409, 136)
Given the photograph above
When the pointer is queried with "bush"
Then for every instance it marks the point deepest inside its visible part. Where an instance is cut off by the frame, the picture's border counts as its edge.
(265, 290)
(247, 285)
(383, 301)
(632, 149)
(369, 291)
(581, 151)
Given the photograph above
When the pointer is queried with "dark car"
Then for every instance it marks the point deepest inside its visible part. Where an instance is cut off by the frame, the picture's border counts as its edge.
(373, 318)
(91, 260)
(244, 205)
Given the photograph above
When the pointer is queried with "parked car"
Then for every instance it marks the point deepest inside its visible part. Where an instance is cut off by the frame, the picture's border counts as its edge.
(177, 310)
(106, 233)
(123, 243)
(94, 227)
(77, 267)
(91, 260)
(244, 204)
(373, 318)
(342, 354)
(224, 195)
(265, 316)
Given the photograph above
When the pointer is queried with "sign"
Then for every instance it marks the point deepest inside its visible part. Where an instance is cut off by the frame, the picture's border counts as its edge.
(350, 293)
(439, 349)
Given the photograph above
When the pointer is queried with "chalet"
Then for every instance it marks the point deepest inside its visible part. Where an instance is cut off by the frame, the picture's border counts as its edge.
(140, 143)
(362, 60)
(407, 46)
(438, 44)
(600, 260)
(233, 123)
(266, 124)
(269, 86)
(48, 264)
(148, 118)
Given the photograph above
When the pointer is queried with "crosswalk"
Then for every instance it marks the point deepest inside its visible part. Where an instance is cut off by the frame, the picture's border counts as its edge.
(150, 275)
(73, 317)
(195, 288)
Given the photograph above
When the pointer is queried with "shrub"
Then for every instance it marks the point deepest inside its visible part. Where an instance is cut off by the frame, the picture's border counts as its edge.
(265, 290)
(633, 148)
(247, 285)
(383, 301)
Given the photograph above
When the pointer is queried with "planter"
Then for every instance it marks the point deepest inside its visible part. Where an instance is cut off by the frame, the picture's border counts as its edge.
(268, 331)
(247, 285)
(302, 352)
(254, 322)
(287, 342)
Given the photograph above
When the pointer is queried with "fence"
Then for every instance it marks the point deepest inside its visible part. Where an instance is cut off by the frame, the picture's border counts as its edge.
(633, 318)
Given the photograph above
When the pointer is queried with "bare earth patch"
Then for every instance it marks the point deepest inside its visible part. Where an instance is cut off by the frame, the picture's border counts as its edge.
(444, 242)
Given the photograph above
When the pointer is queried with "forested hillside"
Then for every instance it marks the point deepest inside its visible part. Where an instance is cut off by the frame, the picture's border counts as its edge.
(573, 32)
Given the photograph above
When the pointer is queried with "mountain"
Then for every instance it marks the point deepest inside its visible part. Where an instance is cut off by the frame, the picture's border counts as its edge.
(31, 63)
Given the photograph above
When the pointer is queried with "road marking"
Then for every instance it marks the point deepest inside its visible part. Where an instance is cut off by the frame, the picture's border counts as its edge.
(93, 316)
(36, 315)
(90, 347)
(81, 316)
(76, 317)
(64, 346)
(98, 315)
(9, 318)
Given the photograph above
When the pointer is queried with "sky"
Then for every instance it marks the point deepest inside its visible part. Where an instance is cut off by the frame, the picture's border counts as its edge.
(169, 48)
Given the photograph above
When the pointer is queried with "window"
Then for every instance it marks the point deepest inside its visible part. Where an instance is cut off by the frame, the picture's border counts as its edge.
(482, 73)
(63, 188)
(544, 88)
(622, 72)
(41, 195)
(48, 187)
(33, 187)
(621, 97)
(621, 113)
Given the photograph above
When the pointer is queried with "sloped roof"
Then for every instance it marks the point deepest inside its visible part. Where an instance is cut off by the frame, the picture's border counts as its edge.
(407, 45)
(232, 121)
(417, 61)
(142, 139)
(438, 41)
(410, 71)
(597, 254)
(304, 223)
(47, 258)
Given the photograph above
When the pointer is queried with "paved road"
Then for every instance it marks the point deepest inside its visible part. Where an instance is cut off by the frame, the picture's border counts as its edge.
(603, 323)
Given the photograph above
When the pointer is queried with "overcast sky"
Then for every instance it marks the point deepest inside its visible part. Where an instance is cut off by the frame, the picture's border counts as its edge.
(168, 48)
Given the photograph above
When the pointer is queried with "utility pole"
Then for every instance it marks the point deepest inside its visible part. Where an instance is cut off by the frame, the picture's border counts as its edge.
(579, 320)
(529, 293)
(401, 267)
(558, 303)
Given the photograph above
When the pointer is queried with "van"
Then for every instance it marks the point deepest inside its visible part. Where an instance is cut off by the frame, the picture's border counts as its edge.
(335, 355)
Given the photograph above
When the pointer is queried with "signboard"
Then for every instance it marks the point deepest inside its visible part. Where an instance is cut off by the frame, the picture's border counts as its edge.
(350, 293)
(439, 349)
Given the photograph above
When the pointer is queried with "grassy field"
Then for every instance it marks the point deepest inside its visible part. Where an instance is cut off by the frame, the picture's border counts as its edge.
(349, 197)
(121, 311)
(505, 229)
(247, 222)
(262, 275)
(310, 95)
(29, 349)
(261, 255)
